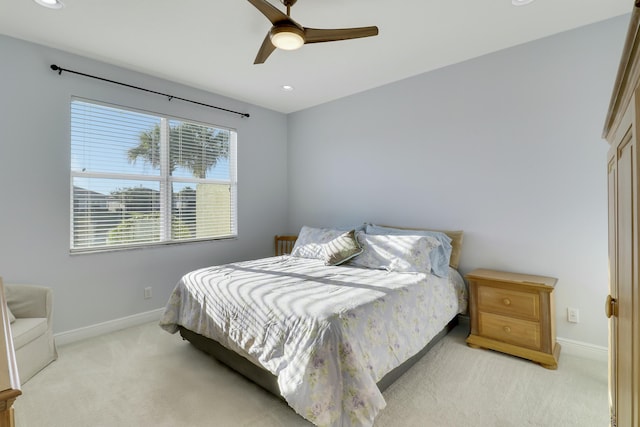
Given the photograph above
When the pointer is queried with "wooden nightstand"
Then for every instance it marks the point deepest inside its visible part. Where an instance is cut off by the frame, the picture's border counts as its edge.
(515, 314)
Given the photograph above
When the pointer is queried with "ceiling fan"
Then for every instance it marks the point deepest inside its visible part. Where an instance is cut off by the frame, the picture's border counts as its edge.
(287, 34)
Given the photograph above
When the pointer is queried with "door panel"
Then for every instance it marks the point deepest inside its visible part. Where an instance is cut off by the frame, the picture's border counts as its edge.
(613, 287)
(625, 277)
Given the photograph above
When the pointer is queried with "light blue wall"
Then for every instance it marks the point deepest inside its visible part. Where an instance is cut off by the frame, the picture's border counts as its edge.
(34, 190)
(506, 147)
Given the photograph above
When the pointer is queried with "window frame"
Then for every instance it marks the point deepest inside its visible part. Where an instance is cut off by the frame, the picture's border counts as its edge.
(165, 181)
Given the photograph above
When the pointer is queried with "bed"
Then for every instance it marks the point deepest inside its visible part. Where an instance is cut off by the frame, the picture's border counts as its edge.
(326, 338)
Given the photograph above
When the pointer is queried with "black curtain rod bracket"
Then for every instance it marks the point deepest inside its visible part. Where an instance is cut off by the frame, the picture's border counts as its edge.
(54, 67)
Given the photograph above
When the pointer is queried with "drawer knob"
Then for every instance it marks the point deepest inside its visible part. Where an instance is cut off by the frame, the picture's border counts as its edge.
(506, 301)
(507, 329)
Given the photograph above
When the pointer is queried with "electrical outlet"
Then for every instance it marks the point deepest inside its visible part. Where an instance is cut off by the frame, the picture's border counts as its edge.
(147, 292)
(573, 316)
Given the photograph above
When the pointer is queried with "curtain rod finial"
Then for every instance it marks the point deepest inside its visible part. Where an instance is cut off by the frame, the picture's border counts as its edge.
(54, 67)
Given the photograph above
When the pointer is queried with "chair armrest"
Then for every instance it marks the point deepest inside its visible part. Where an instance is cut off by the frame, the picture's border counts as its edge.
(29, 301)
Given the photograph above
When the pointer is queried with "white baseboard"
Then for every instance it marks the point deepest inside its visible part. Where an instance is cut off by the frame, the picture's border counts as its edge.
(583, 349)
(572, 347)
(91, 331)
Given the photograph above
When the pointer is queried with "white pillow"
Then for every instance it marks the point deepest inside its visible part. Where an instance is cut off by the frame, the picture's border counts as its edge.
(395, 252)
(310, 242)
(439, 257)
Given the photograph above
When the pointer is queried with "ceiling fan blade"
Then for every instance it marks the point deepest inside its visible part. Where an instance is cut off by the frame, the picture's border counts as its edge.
(272, 13)
(314, 35)
(266, 49)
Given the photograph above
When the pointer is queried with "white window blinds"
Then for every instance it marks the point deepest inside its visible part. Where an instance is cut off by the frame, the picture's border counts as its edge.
(138, 178)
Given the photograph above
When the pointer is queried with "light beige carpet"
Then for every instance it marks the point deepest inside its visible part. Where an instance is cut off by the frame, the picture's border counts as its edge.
(142, 376)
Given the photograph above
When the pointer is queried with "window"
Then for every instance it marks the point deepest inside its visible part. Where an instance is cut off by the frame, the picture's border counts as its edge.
(138, 179)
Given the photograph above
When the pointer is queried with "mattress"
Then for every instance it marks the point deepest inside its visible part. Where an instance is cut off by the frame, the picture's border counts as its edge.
(327, 333)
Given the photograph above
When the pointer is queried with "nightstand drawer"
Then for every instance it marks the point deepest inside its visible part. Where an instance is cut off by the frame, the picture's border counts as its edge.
(524, 305)
(509, 330)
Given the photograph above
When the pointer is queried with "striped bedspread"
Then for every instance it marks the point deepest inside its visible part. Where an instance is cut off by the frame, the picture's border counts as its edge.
(328, 333)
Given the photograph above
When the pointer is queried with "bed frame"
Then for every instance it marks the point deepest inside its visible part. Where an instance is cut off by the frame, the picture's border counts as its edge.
(267, 380)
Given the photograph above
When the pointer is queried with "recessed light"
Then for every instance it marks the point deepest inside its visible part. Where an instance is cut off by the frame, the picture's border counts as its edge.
(521, 2)
(287, 88)
(51, 4)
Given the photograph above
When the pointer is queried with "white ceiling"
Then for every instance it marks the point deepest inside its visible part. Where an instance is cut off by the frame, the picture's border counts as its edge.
(211, 44)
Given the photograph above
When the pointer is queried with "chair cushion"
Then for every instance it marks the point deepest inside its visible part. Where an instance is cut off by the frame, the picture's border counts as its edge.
(26, 330)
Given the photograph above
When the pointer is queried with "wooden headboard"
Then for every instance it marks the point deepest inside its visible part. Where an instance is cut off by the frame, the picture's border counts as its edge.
(284, 244)
(456, 243)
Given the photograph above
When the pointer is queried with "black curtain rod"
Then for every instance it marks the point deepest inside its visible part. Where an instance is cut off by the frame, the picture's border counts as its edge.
(54, 67)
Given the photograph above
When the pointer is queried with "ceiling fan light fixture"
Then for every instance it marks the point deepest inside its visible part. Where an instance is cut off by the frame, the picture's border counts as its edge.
(287, 37)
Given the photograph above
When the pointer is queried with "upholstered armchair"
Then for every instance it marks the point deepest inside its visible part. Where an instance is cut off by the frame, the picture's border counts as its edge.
(32, 329)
